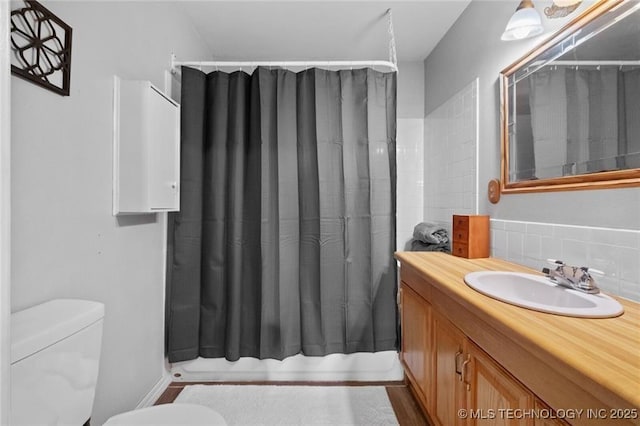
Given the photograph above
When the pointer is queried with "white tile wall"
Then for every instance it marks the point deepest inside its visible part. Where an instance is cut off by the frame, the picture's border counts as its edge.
(450, 159)
(410, 172)
(616, 252)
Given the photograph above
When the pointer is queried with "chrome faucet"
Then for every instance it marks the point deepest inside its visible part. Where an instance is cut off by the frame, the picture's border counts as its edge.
(574, 277)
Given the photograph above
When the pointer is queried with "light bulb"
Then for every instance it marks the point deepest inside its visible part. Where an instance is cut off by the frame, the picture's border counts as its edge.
(524, 23)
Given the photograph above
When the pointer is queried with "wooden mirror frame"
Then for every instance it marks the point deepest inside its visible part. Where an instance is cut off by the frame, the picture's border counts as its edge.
(597, 180)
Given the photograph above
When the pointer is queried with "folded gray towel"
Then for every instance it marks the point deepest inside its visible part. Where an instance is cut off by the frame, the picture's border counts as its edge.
(420, 246)
(430, 233)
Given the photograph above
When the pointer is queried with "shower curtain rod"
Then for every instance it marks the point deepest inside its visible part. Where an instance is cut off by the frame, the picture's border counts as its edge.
(283, 64)
(594, 63)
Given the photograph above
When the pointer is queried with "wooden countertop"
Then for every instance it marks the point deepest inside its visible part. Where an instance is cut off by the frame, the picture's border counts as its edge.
(601, 356)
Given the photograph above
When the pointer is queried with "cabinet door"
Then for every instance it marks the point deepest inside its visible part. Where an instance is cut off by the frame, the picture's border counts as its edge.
(164, 151)
(416, 340)
(494, 396)
(449, 359)
(146, 149)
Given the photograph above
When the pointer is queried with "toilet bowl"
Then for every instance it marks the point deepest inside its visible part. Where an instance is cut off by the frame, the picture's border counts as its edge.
(55, 354)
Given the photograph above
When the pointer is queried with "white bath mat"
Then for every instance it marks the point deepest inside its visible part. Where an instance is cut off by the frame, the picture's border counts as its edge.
(294, 405)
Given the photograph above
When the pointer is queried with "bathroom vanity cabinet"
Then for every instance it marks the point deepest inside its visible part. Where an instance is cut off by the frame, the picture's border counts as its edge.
(464, 376)
(448, 371)
(416, 340)
(471, 359)
(146, 149)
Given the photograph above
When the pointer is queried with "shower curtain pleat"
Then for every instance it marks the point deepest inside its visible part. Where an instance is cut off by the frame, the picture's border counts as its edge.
(548, 102)
(214, 253)
(312, 334)
(184, 267)
(332, 283)
(270, 205)
(285, 244)
(382, 121)
(357, 205)
(592, 117)
(603, 119)
(576, 91)
(632, 117)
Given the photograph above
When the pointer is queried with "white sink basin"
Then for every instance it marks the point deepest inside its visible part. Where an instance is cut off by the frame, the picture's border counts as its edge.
(538, 293)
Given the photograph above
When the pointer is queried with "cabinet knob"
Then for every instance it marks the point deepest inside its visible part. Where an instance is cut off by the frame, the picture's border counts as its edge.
(174, 185)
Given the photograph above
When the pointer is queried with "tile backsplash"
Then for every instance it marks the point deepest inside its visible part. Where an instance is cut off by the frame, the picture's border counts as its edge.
(616, 252)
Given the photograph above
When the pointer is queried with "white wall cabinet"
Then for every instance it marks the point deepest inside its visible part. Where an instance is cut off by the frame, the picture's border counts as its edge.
(146, 149)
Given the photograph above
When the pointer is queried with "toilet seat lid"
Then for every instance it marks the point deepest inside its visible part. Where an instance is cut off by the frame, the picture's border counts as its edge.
(169, 414)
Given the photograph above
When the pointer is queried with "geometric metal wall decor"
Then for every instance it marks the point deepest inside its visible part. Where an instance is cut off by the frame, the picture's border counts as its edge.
(41, 46)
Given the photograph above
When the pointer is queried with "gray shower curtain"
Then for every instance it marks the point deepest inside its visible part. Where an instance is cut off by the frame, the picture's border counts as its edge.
(284, 241)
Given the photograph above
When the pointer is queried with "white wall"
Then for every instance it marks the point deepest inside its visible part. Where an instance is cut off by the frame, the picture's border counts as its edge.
(409, 150)
(5, 188)
(410, 90)
(472, 48)
(65, 241)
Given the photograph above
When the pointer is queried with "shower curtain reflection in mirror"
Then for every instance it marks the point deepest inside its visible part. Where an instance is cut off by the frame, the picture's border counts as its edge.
(284, 242)
(578, 120)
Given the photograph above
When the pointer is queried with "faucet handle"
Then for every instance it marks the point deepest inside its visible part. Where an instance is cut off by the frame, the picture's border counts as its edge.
(586, 282)
(578, 278)
(593, 271)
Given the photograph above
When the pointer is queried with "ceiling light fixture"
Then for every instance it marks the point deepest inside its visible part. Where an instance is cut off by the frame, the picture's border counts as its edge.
(524, 23)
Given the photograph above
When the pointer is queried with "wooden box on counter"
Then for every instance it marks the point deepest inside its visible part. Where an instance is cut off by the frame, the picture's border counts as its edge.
(470, 236)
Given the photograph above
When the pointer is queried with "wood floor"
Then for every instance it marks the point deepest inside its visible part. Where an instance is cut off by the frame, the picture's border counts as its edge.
(404, 405)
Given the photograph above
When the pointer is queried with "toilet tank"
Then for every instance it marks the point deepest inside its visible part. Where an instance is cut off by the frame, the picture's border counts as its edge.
(55, 353)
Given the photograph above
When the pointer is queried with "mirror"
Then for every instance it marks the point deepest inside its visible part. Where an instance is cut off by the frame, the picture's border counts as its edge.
(570, 109)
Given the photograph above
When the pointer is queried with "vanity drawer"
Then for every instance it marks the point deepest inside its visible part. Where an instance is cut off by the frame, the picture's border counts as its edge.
(460, 223)
(460, 249)
(461, 235)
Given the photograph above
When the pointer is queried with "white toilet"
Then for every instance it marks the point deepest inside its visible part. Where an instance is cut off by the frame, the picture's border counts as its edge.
(55, 353)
